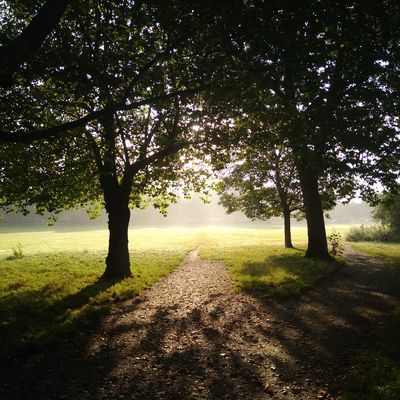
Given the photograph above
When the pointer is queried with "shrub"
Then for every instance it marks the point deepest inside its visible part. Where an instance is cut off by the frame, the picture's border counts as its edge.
(372, 233)
(335, 243)
(17, 251)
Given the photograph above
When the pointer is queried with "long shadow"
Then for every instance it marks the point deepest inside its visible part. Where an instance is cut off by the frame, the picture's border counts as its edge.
(230, 347)
(33, 315)
(283, 275)
(326, 328)
(156, 364)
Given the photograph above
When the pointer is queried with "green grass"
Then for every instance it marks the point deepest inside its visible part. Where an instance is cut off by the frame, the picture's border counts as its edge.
(48, 240)
(50, 287)
(377, 373)
(45, 295)
(260, 265)
(390, 252)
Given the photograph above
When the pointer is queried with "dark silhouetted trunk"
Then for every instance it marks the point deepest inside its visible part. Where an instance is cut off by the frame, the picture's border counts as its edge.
(317, 243)
(117, 207)
(287, 228)
(117, 261)
(285, 210)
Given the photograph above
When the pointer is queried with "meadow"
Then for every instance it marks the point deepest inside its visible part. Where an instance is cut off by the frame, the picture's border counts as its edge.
(50, 278)
(50, 284)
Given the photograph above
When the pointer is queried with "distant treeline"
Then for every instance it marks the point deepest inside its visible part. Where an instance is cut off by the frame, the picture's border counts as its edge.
(184, 213)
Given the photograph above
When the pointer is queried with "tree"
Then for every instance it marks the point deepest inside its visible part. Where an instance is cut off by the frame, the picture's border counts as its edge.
(263, 185)
(21, 43)
(387, 211)
(319, 75)
(131, 70)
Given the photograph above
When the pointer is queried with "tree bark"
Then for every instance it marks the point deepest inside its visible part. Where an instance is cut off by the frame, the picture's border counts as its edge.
(317, 243)
(287, 228)
(117, 261)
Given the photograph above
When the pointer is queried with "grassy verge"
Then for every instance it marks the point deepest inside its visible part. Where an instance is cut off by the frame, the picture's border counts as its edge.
(260, 265)
(45, 297)
(51, 287)
(390, 252)
(377, 373)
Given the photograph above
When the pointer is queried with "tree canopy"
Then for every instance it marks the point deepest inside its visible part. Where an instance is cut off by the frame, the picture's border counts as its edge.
(321, 77)
(126, 64)
(387, 211)
(21, 47)
(116, 102)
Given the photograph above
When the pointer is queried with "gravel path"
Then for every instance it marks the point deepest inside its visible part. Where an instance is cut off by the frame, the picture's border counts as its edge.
(192, 337)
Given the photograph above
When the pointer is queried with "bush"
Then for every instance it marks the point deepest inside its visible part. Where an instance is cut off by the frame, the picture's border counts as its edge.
(335, 243)
(17, 251)
(372, 233)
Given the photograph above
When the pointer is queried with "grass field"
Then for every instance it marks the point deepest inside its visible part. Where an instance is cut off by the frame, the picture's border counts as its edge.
(377, 374)
(50, 278)
(260, 265)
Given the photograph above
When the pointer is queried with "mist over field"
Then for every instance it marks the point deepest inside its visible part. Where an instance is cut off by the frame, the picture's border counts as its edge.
(185, 213)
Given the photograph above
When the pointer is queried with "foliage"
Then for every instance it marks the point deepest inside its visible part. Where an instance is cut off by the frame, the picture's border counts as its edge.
(335, 242)
(23, 47)
(319, 77)
(126, 70)
(387, 211)
(371, 233)
(262, 184)
(92, 63)
(313, 78)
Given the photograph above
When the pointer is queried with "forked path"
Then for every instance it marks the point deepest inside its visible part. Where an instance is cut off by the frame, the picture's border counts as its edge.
(192, 337)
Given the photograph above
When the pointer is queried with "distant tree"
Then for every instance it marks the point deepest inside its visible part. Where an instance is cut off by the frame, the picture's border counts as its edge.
(263, 185)
(387, 211)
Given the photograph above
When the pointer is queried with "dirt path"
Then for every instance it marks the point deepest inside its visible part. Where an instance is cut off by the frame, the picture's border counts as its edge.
(191, 337)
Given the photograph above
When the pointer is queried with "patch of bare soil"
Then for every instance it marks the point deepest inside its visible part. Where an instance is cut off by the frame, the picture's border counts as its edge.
(192, 337)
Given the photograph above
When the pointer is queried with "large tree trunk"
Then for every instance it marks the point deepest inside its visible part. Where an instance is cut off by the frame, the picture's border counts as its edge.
(317, 243)
(287, 228)
(117, 261)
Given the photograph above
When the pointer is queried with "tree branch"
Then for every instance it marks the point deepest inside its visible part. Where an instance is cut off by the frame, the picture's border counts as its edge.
(25, 137)
(123, 140)
(95, 151)
(142, 71)
(157, 156)
(22, 48)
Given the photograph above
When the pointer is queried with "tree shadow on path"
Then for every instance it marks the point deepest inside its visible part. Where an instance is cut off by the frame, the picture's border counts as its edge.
(221, 346)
